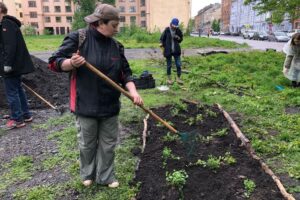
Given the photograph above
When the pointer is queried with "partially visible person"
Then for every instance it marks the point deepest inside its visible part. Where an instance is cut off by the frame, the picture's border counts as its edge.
(95, 103)
(170, 40)
(14, 62)
(291, 68)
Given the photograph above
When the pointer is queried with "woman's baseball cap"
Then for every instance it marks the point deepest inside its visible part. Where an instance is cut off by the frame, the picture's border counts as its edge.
(175, 22)
(103, 11)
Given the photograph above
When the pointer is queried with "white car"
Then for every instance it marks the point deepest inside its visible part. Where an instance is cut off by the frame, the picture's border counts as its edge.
(291, 33)
(249, 34)
(278, 37)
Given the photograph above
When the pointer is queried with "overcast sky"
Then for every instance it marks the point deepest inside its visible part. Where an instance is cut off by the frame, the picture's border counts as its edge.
(199, 4)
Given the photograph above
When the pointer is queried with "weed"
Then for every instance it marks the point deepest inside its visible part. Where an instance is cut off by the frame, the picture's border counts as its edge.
(228, 159)
(211, 113)
(170, 137)
(221, 133)
(177, 178)
(213, 162)
(249, 186)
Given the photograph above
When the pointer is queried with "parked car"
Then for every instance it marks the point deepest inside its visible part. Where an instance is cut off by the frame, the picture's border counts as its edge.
(291, 33)
(260, 35)
(249, 34)
(279, 37)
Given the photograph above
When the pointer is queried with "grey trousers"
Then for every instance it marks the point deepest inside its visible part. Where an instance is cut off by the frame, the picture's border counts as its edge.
(97, 139)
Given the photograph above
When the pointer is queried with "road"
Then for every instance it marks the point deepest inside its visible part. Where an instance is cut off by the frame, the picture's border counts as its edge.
(254, 44)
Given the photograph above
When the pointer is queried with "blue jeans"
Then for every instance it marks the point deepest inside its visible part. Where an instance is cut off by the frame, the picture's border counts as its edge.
(177, 63)
(16, 98)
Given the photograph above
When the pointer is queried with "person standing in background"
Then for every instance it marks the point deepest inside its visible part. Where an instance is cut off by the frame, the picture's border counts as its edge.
(170, 40)
(14, 62)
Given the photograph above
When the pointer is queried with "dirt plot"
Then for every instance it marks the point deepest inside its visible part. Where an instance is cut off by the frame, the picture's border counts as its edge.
(215, 139)
(52, 86)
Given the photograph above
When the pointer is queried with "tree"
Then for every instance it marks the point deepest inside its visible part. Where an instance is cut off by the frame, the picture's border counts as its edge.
(216, 25)
(278, 8)
(85, 7)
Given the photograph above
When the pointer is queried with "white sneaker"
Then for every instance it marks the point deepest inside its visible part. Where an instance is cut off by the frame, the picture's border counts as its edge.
(114, 184)
(87, 183)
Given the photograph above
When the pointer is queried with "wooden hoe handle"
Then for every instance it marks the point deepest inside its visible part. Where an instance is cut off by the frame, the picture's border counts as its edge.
(120, 89)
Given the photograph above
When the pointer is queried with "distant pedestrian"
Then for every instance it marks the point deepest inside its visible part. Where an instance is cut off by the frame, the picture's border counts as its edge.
(291, 69)
(14, 61)
(170, 40)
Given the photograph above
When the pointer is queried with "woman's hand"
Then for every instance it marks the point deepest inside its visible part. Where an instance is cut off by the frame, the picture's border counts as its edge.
(136, 98)
(77, 60)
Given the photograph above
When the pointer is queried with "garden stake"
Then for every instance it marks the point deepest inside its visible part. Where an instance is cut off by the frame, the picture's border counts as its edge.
(185, 137)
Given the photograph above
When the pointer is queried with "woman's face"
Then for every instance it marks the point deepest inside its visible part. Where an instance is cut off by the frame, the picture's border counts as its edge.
(110, 29)
(297, 41)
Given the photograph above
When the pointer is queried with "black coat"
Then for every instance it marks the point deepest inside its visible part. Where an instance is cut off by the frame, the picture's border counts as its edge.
(166, 41)
(13, 50)
(91, 96)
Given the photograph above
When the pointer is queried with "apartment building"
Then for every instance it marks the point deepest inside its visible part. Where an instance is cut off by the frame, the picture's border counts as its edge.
(153, 14)
(225, 15)
(206, 16)
(52, 16)
(14, 8)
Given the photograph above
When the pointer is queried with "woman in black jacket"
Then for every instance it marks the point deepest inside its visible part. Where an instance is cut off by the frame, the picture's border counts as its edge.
(95, 103)
(14, 61)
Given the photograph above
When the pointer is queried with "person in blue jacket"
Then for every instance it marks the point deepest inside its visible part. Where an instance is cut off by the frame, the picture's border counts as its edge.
(170, 41)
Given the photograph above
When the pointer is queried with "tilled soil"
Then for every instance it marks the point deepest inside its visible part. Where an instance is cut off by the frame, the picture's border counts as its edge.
(52, 86)
(225, 182)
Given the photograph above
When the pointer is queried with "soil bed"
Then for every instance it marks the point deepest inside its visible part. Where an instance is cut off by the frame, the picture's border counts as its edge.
(226, 182)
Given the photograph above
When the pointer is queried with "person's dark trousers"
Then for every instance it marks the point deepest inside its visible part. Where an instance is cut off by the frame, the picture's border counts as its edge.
(16, 98)
(177, 63)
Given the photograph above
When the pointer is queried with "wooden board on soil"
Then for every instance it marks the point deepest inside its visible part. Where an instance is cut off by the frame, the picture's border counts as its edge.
(217, 166)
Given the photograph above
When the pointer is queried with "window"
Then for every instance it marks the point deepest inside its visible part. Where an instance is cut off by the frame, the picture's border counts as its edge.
(57, 8)
(122, 9)
(69, 19)
(47, 19)
(45, 0)
(21, 14)
(132, 9)
(46, 9)
(33, 14)
(121, 0)
(143, 23)
(132, 20)
(56, 0)
(31, 4)
(143, 13)
(131, 0)
(58, 19)
(68, 9)
(143, 3)
(68, 2)
(62, 30)
(122, 19)
(34, 24)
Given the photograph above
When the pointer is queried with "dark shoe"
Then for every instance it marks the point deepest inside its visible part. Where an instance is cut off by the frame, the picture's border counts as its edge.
(11, 124)
(179, 81)
(28, 119)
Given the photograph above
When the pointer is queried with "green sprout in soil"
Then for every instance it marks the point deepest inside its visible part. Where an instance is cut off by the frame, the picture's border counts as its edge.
(213, 162)
(249, 186)
(170, 137)
(177, 178)
(210, 113)
(167, 154)
(221, 133)
(229, 159)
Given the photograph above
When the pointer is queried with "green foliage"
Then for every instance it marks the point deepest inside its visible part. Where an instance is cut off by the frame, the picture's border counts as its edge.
(228, 159)
(277, 8)
(249, 186)
(216, 25)
(170, 137)
(177, 178)
(28, 30)
(86, 7)
(213, 162)
(221, 133)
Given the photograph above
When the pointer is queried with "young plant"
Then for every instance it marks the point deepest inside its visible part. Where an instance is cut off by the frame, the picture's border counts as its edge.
(170, 137)
(167, 154)
(213, 162)
(221, 132)
(177, 178)
(210, 113)
(229, 159)
(249, 186)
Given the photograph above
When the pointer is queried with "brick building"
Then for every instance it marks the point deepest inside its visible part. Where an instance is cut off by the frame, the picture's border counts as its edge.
(225, 15)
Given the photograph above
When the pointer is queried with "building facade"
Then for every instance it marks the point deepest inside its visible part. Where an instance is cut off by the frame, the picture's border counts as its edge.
(206, 16)
(153, 14)
(14, 8)
(225, 15)
(245, 17)
(48, 16)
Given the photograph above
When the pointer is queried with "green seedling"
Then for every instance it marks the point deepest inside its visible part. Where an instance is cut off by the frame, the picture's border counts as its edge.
(199, 118)
(167, 154)
(213, 162)
(200, 163)
(221, 133)
(205, 139)
(249, 186)
(211, 113)
(229, 159)
(177, 178)
(170, 137)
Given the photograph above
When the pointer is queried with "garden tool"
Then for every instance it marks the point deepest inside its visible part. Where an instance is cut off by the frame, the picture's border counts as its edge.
(185, 137)
(60, 110)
